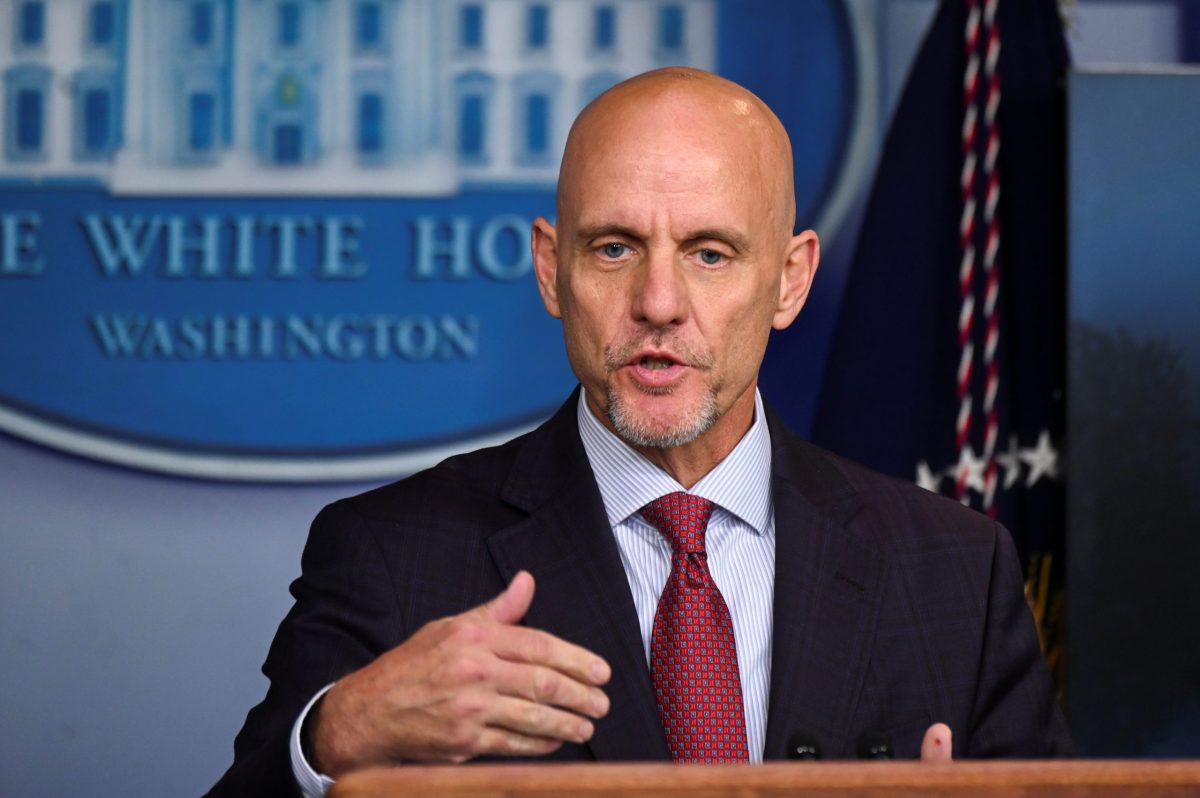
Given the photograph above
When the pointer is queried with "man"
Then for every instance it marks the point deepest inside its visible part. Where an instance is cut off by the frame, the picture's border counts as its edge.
(525, 600)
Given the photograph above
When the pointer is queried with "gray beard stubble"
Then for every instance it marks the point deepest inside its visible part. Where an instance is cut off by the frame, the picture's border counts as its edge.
(636, 431)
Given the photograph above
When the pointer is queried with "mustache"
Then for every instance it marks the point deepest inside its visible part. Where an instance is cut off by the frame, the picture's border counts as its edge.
(619, 356)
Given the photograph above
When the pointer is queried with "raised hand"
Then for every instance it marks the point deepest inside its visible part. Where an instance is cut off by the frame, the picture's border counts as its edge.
(463, 686)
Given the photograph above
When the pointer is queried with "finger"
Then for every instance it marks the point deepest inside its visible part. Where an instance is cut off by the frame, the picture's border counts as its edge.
(543, 685)
(535, 647)
(510, 606)
(503, 742)
(531, 719)
(936, 747)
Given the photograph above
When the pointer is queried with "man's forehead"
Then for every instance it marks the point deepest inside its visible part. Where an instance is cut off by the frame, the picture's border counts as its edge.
(661, 154)
(669, 165)
(634, 185)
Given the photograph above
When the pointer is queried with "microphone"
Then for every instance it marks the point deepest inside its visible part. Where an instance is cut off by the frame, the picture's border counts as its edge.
(874, 746)
(803, 746)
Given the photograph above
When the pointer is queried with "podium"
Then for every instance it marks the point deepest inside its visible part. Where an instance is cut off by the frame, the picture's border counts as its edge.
(992, 779)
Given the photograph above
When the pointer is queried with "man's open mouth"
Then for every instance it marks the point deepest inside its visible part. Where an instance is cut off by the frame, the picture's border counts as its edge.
(656, 363)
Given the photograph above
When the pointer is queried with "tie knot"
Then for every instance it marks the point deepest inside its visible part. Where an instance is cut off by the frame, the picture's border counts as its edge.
(682, 519)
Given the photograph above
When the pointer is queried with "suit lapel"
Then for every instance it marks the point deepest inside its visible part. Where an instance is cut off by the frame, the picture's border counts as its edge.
(828, 585)
(582, 592)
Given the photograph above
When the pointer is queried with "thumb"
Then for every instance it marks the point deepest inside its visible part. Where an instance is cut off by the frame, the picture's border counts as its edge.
(510, 606)
(936, 745)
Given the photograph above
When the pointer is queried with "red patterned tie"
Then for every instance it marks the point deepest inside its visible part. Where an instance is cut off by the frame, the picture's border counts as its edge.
(693, 660)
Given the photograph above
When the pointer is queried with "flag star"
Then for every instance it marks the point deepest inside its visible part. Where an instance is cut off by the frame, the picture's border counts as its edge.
(970, 469)
(1042, 460)
(926, 478)
(1010, 461)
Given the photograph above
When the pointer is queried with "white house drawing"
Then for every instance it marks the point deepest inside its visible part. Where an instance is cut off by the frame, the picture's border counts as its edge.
(383, 97)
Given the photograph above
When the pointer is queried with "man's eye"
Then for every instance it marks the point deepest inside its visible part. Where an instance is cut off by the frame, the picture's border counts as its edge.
(710, 257)
(614, 249)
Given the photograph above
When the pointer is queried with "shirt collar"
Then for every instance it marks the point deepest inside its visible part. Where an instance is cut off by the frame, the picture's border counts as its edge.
(628, 481)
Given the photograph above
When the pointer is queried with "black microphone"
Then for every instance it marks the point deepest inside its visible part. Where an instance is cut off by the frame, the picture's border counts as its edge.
(803, 746)
(875, 746)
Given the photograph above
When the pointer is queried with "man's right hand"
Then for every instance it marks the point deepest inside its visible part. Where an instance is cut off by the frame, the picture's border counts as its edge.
(472, 684)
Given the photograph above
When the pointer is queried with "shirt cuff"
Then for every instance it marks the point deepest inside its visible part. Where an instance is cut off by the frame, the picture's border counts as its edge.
(311, 783)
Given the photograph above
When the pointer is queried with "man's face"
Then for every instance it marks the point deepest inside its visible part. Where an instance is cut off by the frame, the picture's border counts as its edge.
(667, 267)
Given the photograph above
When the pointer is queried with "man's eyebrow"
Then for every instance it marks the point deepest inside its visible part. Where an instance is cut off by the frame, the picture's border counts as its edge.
(736, 240)
(601, 230)
(739, 242)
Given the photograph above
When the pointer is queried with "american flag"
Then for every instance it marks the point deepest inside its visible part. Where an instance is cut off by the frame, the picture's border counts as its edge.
(948, 362)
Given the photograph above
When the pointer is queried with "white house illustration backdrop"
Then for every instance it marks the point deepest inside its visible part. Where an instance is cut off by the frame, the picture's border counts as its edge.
(375, 97)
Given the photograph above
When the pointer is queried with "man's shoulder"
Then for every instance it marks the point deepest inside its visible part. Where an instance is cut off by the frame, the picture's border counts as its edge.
(478, 480)
(871, 504)
(900, 500)
(459, 481)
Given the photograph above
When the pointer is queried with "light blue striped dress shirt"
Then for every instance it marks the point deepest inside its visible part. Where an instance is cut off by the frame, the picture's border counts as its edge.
(740, 543)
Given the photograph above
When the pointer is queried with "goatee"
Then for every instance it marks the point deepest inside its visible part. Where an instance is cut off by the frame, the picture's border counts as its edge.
(638, 431)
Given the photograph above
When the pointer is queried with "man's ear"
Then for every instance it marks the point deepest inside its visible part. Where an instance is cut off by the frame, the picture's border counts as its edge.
(803, 256)
(545, 263)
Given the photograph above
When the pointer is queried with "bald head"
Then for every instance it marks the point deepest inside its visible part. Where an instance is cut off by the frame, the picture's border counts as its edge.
(679, 106)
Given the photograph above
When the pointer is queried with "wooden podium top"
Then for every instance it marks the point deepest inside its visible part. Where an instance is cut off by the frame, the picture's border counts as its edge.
(994, 779)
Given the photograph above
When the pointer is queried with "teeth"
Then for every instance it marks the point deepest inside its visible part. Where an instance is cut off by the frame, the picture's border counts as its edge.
(655, 363)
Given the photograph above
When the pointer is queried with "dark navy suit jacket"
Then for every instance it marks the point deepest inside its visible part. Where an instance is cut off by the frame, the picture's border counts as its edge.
(894, 608)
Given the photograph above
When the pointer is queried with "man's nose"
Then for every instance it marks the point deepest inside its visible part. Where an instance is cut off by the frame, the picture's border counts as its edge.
(660, 293)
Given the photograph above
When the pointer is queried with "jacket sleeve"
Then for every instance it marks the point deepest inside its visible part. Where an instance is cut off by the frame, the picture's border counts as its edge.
(345, 615)
(1015, 712)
